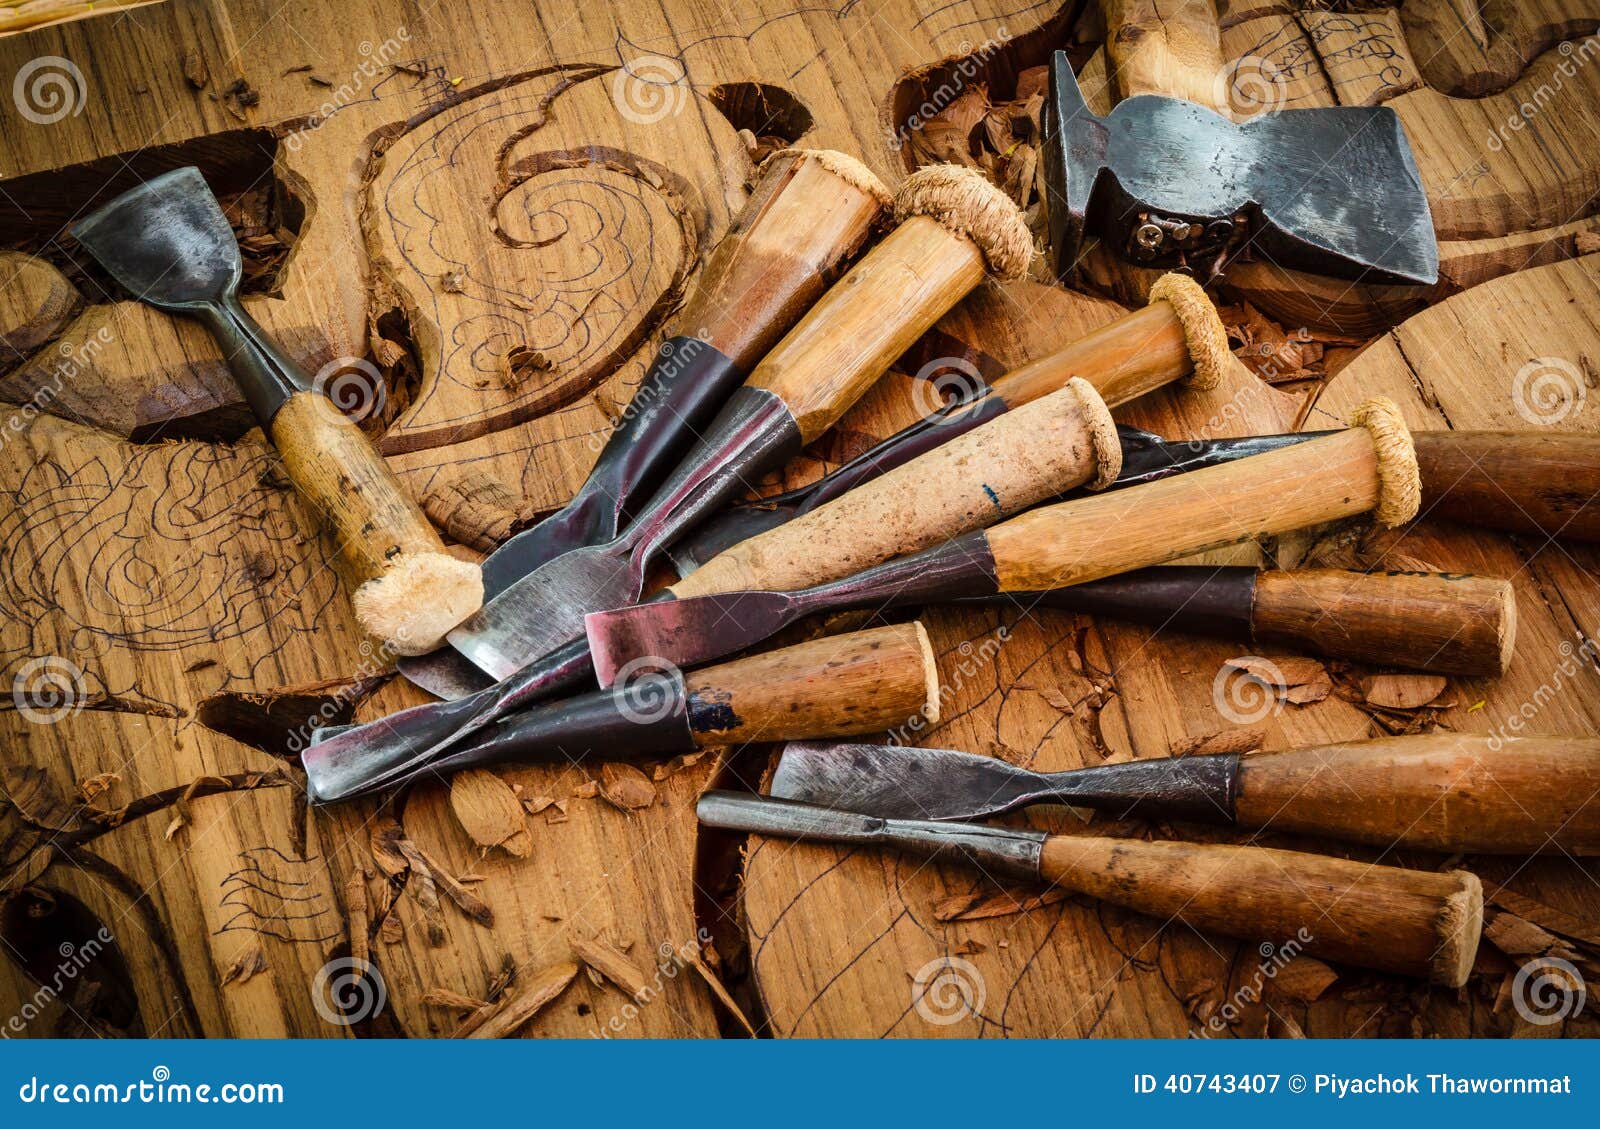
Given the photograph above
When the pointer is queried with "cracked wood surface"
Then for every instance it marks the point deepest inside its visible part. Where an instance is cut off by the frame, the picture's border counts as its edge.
(473, 203)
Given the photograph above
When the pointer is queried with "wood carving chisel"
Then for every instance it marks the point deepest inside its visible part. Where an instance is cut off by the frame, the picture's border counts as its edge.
(1413, 922)
(1451, 792)
(809, 213)
(1177, 336)
(1371, 466)
(862, 682)
(1448, 623)
(954, 226)
(169, 244)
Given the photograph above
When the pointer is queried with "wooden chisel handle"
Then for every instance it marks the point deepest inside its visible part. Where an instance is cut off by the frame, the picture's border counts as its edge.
(1171, 47)
(1452, 623)
(1014, 461)
(1528, 482)
(953, 226)
(1441, 621)
(842, 685)
(1350, 472)
(1417, 923)
(411, 590)
(1438, 791)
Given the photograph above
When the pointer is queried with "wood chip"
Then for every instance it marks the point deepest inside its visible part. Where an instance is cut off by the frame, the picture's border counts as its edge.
(1297, 680)
(588, 790)
(384, 842)
(972, 907)
(488, 811)
(610, 962)
(1227, 741)
(454, 889)
(522, 1006)
(1546, 917)
(454, 1001)
(625, 787)
(422, 889)
(1303, 978)
(244, 966)
(718, 989)
(1402, 691)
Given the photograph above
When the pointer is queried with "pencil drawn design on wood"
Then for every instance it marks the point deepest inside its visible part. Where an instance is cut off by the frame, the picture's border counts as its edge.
(530, 261)
(183, 544)
(273, 894)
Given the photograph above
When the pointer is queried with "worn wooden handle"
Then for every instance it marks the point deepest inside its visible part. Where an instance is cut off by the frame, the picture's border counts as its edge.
(1135, 354)
(867, 319)
(809, 213)
(412, 591)
(1440, 791)
(1418, 923)
(1171, 47)
(1449, 622)
(1013, 461)
(1316, 481)
(841, 686)
(1528, 482)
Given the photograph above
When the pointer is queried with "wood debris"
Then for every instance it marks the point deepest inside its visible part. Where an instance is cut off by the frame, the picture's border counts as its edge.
(1300, 681)
(516, 1009)
(1227, 741)
(978, 905)
(588, 790)
(1402, 691)
(453, 1001)
(1267, 350)
(1547, 917)
(455, 889)
(488, 810)
(625, 788)
(476, 510)
(249, 962)
(1303, 978)
(609, 962)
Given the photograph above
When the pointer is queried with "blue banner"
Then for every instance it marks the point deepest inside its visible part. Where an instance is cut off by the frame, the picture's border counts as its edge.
(774, 1084)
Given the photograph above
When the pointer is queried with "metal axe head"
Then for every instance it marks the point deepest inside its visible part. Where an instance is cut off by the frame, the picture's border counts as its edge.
(1165, 182)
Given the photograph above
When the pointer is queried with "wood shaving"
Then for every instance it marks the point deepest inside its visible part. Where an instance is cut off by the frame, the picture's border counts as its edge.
(510, 1014)
(1402, 691)
(626, 788)
(609, 962)
(244, 966)
(973, 907)
(453, 1001)
(488, 811)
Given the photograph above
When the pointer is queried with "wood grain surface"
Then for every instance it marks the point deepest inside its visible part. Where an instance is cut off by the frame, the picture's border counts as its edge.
(499, 206)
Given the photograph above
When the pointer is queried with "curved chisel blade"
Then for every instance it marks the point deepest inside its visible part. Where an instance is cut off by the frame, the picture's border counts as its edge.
(896, 782)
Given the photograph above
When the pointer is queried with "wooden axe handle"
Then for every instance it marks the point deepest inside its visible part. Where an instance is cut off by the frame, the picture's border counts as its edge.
(1171, 47)
(1437, 791)
(1525, 481)
(1417, 923)
(840, 686)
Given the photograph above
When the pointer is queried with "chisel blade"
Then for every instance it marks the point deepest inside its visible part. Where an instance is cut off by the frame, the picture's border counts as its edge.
(897, 782)
(685, 632)
(545, 609)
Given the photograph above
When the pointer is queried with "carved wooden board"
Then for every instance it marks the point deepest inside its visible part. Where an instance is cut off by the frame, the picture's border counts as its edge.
(496, 207)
